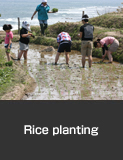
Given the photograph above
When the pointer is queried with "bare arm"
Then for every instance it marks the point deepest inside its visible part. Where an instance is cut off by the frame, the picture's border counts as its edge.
(58, 44)
(10, 41)
(104, 55)
(33, 15)
(26, 35)
(51, 12)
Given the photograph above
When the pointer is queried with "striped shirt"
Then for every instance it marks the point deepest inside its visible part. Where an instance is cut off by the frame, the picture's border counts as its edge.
(63, 36)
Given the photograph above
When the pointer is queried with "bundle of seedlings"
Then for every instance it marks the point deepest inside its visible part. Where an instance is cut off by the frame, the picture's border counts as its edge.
(54, 10)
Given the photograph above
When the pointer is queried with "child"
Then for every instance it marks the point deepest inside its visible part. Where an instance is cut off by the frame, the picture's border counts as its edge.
(42, 10)
(64, 44)
(114, 43)
(8, 39)
(24, 40)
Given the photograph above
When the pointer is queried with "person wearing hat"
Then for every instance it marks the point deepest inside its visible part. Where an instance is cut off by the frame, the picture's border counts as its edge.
(42, 10)
(24, 40)
(86, 35)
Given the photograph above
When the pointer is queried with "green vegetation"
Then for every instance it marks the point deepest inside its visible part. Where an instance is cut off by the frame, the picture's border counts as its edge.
(6, 73)
(34, 34)
(109, 20)
(54, 10)
(8, 50)
(1, 41)
(11, 75)
(10, 63)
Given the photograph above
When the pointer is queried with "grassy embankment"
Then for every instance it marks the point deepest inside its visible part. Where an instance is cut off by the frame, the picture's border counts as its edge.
(14, 80)
(110, 24)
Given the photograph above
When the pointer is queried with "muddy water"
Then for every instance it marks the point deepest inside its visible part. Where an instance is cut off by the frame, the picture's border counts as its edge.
(102, 81)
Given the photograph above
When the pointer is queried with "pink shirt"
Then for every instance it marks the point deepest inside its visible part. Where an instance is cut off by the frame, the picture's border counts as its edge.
(107, 40)
(8, 36)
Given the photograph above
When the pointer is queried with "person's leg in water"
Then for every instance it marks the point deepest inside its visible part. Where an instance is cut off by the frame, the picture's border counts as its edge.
(25, 54)
(109, 53)
(8, 52)
(67, 57)
(57, 57)
(89, 53)
(83, 52)
(90, 61)
(20, 54)
(25, 57)
(8, 55)
(83, 61)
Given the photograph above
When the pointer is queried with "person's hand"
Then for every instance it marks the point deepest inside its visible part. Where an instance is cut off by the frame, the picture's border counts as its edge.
(31, 17)
(30, 34)
(8, 47)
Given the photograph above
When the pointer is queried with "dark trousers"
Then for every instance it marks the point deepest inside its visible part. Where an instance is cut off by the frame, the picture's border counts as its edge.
(43, 27)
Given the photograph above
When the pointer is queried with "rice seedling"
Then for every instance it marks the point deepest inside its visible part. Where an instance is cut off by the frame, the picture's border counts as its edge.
(69, 93)
(110, 96)
(53, 81)
(31, 67)
(37, 80)
(54, 10)
(38, 67)
(49, 94)
(39, 90)
(58, 90)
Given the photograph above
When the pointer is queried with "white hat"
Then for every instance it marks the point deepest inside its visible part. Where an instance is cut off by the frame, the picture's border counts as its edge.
(26, 25)
(44, 0)
(84, 18)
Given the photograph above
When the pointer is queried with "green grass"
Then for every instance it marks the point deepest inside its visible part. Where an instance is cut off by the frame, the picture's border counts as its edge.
(6, 73)
(108, 21)
(10, 75)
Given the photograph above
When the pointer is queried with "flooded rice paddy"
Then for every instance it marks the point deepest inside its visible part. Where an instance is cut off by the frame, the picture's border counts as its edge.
(60, 82)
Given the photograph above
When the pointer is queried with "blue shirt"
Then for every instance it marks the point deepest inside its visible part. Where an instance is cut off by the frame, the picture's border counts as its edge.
(42, 12)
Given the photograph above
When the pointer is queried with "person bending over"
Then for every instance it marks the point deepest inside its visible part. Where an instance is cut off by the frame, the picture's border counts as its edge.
(114, 43)
(64, 44)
